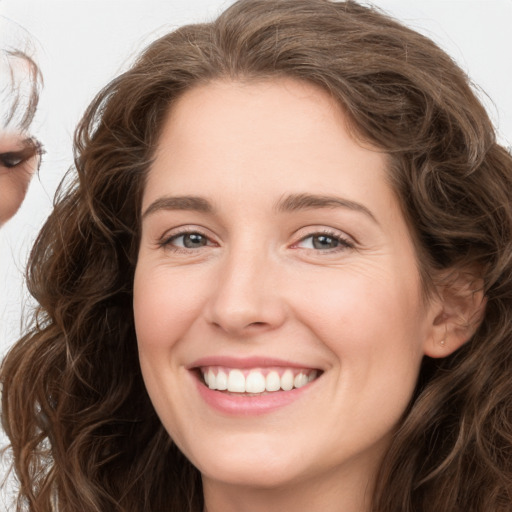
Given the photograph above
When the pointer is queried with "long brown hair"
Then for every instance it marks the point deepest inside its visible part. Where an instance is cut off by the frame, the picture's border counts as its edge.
(80, 422)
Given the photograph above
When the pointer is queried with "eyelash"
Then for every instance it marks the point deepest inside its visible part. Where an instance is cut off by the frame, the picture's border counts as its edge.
(343, 242)
(167, 241)
(12, 159)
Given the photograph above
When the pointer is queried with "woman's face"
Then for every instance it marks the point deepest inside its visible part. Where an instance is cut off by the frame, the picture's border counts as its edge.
(274, 255)
(19, 159)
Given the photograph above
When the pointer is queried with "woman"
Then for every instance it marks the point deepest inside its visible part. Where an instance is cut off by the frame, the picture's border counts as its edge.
(20, 81)
(281, 280)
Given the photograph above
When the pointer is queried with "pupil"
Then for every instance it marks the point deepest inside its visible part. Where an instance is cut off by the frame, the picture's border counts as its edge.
(194, 240)
(324, 242)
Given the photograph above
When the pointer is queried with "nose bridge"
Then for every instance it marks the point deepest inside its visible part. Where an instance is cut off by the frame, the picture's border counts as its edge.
(244, 298)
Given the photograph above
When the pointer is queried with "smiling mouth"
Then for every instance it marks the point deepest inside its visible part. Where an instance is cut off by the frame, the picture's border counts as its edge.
(256, 381)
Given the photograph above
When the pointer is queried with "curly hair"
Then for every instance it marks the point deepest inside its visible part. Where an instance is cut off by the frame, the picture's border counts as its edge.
(80, 422)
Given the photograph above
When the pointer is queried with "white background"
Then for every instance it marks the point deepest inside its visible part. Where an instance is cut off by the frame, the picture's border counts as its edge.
(82, 44)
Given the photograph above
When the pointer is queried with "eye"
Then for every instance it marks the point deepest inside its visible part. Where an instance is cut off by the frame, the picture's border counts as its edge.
(191, 240)
(186, 241)
(11, 159)
(324, 242)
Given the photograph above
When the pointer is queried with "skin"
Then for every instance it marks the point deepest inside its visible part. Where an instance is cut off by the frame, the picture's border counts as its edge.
(19, 159)
(260, 287)
(19, 152)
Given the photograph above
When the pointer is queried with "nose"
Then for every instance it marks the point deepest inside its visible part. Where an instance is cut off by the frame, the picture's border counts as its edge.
(247, 298)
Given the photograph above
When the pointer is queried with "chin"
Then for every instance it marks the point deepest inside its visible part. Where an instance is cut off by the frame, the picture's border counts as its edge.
(249, 476)
(262, 469)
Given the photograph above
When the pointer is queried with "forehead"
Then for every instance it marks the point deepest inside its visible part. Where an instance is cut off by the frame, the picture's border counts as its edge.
(226, 101)
(269, 127)
(249, 145)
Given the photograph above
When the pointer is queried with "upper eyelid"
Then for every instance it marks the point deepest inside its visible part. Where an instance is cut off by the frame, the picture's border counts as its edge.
(19, 157)
(344, 242)
(181, 231)
(311, 230)
(185, 233)
(32, 148)
(324, 230)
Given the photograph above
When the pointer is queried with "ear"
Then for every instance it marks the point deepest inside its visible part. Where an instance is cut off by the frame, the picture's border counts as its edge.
(458, 310)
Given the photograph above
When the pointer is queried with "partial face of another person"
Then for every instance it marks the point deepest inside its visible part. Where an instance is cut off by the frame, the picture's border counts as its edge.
(19, 152)
(19, 159)
(277, 298)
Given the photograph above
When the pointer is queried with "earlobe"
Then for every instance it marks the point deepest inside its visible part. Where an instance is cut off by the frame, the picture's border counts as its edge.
(460, 307)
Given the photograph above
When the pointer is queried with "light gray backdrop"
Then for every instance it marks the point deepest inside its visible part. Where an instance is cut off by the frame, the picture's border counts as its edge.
(82, 44)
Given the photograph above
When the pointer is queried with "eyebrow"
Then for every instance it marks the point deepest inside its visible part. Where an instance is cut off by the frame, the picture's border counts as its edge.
(193, 203)
(291, 203)
(297, 202)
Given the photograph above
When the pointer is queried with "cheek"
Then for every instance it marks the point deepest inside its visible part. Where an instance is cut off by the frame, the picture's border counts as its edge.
(374, 324)
(13, 187)
(354, 304)
(165, 304)
(375, 329)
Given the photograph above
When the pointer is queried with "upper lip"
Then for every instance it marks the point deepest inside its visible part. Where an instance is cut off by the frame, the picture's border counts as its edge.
(247, 362)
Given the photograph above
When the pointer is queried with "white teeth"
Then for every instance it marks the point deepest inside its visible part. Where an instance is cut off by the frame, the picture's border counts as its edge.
(222, 381)
(212, 381)
(236, 381)
(256, 382)
(287, 380)
(273, 381)
(300, 380)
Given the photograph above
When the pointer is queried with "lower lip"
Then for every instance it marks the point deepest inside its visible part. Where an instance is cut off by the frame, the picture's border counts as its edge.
(244, 405)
